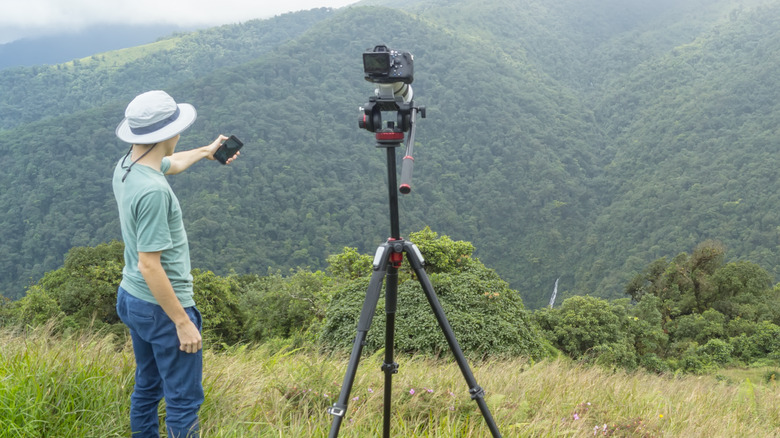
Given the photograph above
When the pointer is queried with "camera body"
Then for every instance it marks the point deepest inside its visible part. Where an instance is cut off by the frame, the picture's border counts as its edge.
(393, 72)
(387, 66)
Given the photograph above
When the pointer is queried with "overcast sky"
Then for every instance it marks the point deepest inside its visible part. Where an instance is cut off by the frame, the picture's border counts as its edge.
(32, 18)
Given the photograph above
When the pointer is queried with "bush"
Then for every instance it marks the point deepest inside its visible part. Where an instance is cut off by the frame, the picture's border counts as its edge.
(6, 311)
(614, 354)
(215, 297)
(645, 327)
(349, 264)
(582, 323)
(699, 327)
(766, 340)
(743, 348)
(717, 350)
(487, 317)
(694, 361)
(695, 364)
(771, 376)
(652, 362)
(278, 307)
(36, 308)
(80, 294)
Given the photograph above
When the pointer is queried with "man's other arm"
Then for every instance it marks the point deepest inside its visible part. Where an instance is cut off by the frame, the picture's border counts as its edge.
(151, 268)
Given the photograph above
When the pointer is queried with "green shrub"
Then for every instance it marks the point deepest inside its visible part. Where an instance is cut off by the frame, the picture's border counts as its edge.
(693, 363)
(614, 354)
(743, 348)
(652, 362)
(645, 327)
(349, 264)
(487, 317)
(80, 294)
(36, 308)
(699, 327)
(766, 340)
(717, 350)
(278, 307)
(582, 323)
(216, 300)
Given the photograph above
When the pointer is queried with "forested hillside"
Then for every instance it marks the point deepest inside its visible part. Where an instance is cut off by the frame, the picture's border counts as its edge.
(563, 139)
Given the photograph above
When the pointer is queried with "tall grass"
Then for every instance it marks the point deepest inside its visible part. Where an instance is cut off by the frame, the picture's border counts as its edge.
(79, 386)
(54, 387)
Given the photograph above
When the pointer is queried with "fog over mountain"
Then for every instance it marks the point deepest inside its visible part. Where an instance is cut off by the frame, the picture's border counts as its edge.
(60, 48)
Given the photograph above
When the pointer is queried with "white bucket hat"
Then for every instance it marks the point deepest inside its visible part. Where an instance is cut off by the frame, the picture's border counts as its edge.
(153, 117)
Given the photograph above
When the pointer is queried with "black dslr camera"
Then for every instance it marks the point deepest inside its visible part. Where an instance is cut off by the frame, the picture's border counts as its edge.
(393, 72)
(386, 66)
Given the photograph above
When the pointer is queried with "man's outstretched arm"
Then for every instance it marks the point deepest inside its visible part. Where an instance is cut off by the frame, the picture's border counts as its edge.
(181, 161)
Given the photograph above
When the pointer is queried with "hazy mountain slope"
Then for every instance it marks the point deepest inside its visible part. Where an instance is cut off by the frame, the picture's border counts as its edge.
(64, 47)
(33, 93)
(549, 173)
(696, 138)
(297, 109)
(591, 50)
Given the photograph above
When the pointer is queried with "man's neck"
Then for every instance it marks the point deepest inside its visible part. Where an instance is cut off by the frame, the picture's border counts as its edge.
(153, 157)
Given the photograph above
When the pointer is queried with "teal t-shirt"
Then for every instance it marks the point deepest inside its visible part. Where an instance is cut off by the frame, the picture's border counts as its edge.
(151, 221)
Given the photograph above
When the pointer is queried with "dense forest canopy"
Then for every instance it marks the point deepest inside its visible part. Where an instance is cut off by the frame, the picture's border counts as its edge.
(568, 140)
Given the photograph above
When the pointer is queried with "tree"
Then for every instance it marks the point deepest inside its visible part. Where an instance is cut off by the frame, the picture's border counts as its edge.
(215, 298)
(705, 309)
(582, 323)
(744, 290)
(80, 294)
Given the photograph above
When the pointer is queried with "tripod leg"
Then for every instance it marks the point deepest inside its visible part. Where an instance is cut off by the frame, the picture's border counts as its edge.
(364, 323)
(477, 393)
(389, 367)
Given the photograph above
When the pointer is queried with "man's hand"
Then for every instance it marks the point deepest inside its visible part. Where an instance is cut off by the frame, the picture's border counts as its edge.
(212, 148)
(190, 340)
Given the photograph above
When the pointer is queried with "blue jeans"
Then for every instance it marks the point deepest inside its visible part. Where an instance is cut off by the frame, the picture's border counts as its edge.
(161, 370)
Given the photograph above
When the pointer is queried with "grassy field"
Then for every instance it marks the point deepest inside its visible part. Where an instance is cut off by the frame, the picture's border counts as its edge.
(79, 386)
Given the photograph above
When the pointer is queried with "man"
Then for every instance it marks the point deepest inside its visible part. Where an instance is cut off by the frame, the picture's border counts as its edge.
(155, 297)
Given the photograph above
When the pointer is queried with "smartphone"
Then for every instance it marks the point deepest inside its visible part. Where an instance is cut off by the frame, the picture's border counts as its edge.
(228, 149)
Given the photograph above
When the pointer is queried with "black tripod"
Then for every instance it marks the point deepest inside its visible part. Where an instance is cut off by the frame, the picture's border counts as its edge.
(387, 260)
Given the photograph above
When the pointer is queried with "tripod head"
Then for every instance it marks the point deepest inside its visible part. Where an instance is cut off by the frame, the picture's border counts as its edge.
(393, 72)
(395, 98)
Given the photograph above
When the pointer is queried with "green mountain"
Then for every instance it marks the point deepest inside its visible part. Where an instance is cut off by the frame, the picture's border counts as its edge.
(564, 139)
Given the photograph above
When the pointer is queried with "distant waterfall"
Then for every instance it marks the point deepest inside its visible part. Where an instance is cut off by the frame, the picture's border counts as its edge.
(555, 292)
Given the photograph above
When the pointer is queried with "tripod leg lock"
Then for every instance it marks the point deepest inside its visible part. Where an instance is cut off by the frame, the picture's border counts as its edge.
(391, 368)
(337, 411)
(477, 392)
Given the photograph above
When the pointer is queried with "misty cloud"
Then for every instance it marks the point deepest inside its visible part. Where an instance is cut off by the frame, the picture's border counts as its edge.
(32, 18)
